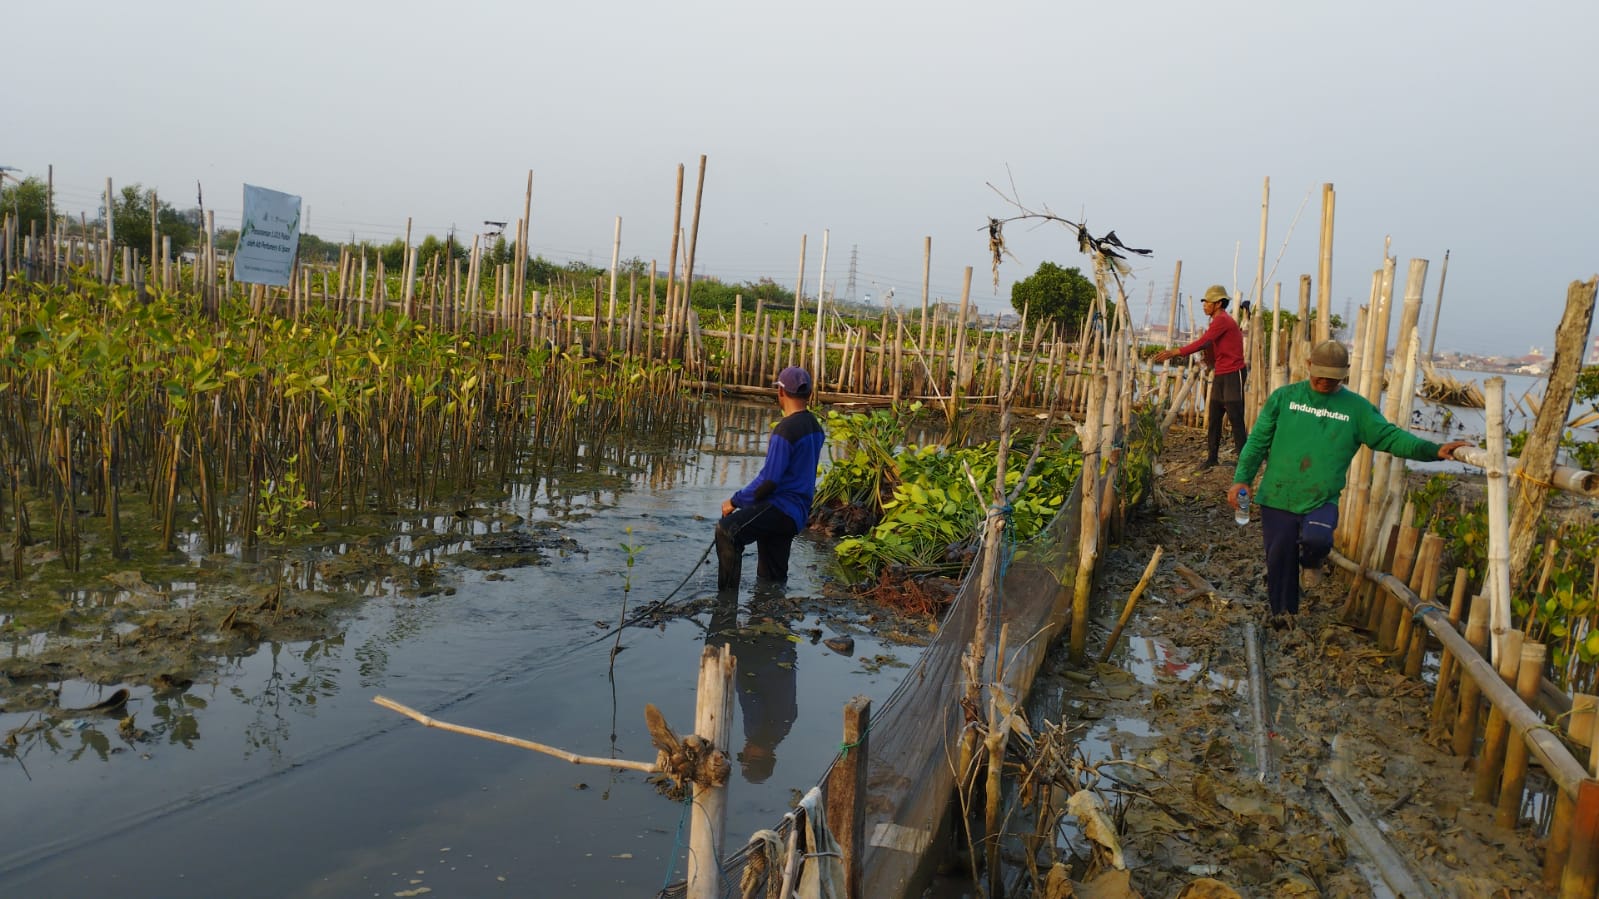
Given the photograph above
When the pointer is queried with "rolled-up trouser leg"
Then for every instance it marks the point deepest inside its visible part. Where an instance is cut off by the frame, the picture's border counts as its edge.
(1316, 534)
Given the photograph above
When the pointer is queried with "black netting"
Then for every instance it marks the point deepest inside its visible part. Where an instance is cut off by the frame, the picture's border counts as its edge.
(915, 734)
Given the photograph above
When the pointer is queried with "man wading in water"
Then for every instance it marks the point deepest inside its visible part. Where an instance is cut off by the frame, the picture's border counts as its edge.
(775, 506)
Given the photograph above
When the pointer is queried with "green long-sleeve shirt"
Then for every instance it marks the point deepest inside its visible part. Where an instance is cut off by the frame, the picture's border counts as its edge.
(1306, 440)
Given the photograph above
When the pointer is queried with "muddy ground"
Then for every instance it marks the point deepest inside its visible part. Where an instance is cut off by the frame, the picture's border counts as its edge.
(1178, 707)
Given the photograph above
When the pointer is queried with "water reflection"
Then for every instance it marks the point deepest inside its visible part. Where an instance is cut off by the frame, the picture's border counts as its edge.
(767, 678)
(287, 690)
(404, 568)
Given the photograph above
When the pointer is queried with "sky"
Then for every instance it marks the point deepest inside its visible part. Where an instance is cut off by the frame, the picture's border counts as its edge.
(1462, 127)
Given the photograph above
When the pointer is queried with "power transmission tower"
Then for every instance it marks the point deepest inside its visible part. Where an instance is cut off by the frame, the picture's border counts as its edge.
(854, 252)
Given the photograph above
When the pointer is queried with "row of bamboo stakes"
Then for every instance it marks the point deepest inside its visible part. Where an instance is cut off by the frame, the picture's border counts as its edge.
(1497, 715)
(945, 357)
(1396, 571)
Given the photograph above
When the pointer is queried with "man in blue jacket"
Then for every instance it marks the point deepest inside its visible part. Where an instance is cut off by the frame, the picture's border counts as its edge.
(775, 506)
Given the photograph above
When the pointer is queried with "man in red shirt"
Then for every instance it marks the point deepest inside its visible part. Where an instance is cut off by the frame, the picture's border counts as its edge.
(1223, 346)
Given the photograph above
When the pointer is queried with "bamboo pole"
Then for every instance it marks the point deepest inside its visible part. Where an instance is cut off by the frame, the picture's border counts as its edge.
(1132, 600)
(1491, 760)
(799, 284)
(1465, 735)
(1414, 638)
(713, 721)
(574, 758)
(669, 312)
(1557, 850)
(1447, 688)
(1260, 263)
(958, 354)
(847, 793)
(1581, 876)
(109, 273)
(1438, 307)
(616, 261)
(1176, 298)
(819, 348)
(927, 269)
(1088, 536)
(1498, 577)
(693, 242)
(1514, 780)
(1324, 272)
(1388, 608)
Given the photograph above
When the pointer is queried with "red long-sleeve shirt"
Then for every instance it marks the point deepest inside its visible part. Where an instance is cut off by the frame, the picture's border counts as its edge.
(1222, 342)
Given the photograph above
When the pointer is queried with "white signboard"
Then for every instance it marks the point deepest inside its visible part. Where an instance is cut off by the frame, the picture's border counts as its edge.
(268, 237)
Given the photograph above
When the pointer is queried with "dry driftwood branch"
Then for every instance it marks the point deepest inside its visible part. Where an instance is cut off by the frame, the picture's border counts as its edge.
(1200, 585)
(426, 721)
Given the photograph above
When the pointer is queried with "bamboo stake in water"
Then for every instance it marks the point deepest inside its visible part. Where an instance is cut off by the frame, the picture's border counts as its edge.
(713, 721)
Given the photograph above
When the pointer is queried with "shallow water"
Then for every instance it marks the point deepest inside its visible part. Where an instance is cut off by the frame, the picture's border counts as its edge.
(278, 776)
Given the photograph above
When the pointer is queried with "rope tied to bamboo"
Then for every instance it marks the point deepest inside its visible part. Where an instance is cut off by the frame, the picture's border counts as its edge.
(1423, 609)
(844, 748)
(1539, 482)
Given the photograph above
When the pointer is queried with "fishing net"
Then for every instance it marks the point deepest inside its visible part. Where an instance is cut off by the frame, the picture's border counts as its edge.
(915, 735)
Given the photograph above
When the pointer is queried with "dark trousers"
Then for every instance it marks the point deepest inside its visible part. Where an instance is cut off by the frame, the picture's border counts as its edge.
(1226, 398)
(1294, 541)
(766, 526)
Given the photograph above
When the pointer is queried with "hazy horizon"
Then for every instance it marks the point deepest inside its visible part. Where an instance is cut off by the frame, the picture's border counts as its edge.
(1458, 130)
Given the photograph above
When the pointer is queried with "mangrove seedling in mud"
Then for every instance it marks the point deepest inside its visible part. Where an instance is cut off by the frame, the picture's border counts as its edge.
(134, 425)
(103, 394)
(918, 501)
(1554, 601)
(912, 510)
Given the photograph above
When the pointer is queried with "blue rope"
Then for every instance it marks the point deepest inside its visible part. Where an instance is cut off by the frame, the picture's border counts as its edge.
(1423, 609)
(677, 843)
(1008, 549)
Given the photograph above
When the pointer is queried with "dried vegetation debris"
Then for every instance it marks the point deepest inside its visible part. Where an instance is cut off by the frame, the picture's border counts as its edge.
(1198, 821)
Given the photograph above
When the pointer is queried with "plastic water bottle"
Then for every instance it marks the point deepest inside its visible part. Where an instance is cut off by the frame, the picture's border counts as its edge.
(1242, 515)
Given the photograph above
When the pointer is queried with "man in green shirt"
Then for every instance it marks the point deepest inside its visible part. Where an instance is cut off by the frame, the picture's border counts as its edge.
(1306, 434)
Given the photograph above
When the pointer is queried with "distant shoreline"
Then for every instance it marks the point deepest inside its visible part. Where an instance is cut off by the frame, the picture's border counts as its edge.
(1495, 370)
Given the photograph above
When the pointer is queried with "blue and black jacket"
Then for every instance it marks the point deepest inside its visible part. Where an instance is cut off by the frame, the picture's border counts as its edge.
(788, 479)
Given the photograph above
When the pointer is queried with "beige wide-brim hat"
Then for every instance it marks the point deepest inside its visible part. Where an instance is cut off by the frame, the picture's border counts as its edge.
(1329, 360)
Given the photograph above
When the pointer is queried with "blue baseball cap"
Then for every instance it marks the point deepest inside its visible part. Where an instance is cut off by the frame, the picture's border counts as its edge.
(795, 381)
